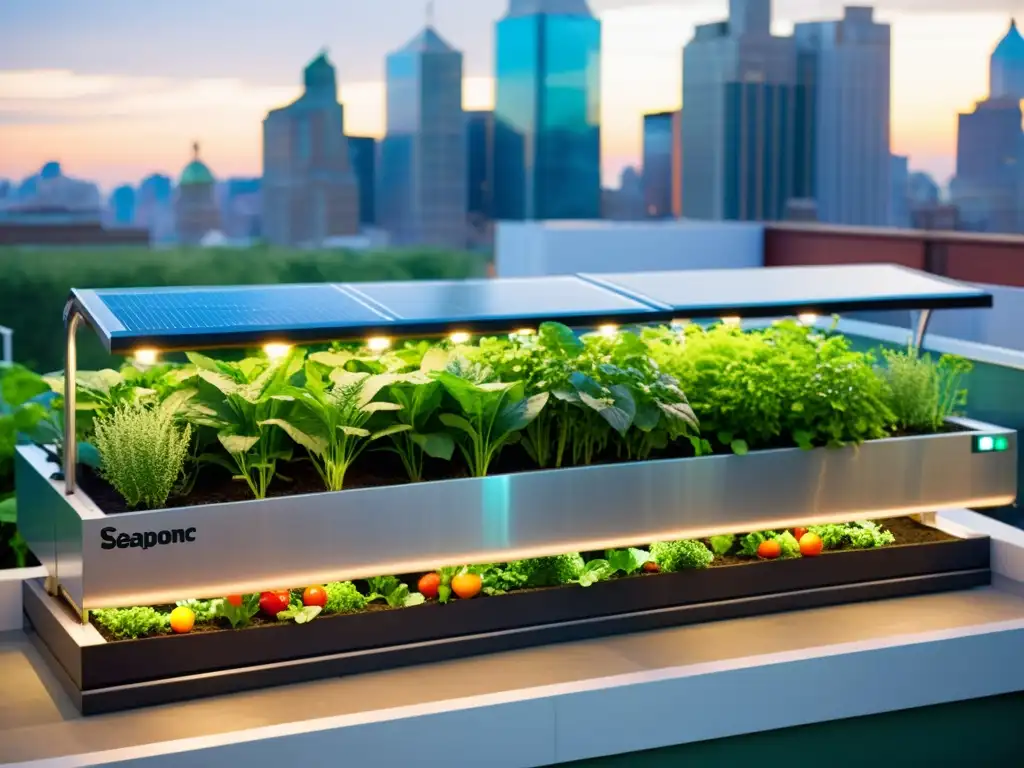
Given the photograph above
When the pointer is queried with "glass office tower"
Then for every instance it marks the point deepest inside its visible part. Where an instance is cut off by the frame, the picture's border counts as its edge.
(547, 139)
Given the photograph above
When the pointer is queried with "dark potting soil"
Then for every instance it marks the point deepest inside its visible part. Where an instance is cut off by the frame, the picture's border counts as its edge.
(908, 532)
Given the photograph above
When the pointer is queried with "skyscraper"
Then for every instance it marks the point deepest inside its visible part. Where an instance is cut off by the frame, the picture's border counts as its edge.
(1006, 67)
(744, 152)
(663, 165)
(547, 134)
(988, 153)
(195, 209)
(989, 184)
(309, 191)
(899, 191)
(422, 192)
(363, 153)
(845, 67)
(479, 164)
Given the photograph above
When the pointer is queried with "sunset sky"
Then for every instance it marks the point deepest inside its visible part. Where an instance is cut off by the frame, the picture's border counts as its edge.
(119, 89)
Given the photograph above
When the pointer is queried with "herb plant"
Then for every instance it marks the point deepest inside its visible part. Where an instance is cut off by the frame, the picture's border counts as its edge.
(142, 451)
(392, 591)
(922, 393)
(627, 561)
(237, 615)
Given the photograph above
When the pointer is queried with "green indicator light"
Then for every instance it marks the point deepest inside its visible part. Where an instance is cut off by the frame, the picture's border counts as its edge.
(1001, 444)
(986, 443)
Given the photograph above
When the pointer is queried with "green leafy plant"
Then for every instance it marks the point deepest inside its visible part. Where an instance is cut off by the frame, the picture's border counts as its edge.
(863, 534)
(490, 416)
(626, 561)
(392, 591)
(299, 613)
(788, 544)
(343, 597)
(142, 452)
(242, 402)
(419, 398)
(204, 610)
(132, 623)
(237, 615)
(722, 544)
(922, 393)
(330, 419)
(681, 555)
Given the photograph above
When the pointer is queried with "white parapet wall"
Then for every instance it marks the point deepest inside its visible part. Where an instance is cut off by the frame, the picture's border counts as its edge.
(536, 248)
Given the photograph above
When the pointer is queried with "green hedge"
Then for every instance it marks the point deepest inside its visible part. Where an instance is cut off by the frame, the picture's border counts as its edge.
(34, 282)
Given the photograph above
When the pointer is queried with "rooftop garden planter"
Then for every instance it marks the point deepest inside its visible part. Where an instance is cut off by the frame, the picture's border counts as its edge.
(498, 473)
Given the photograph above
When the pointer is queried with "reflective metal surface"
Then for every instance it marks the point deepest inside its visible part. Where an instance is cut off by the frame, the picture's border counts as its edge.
(760, 292)
(291, 541)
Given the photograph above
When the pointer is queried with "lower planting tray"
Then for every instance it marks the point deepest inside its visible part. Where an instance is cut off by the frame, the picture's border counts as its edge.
(104, 676)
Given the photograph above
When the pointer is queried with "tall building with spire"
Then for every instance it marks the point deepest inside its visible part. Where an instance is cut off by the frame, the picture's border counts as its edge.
(310, 193)
(195, 208)
(844, 66)
(422, 183)
(547, 113)
(989, 185)
(1006, 67)
(745, 116)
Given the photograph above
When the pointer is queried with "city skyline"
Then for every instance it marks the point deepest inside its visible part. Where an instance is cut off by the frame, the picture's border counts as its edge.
(114, 127)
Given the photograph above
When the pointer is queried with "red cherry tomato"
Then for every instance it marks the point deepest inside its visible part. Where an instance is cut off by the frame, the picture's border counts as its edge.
(651, 567)
(235, 600)
(798, 533)
(428, 585)
(272, 603)
(314, 596)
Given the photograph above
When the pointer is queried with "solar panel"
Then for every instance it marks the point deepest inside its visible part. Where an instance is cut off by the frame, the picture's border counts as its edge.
(477, 304)
(238, 316)
(231, 315)
(769, 292)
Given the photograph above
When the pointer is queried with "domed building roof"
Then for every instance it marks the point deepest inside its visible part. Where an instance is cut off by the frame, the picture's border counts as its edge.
(196, 172)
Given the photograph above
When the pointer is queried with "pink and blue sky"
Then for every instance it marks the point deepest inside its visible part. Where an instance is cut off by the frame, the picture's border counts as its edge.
(118, 89)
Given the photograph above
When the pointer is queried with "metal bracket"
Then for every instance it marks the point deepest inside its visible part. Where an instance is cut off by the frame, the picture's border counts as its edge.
(74, 318)
(921, 328)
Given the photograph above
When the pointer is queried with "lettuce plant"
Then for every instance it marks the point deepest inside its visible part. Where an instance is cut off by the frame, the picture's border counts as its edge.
(491, 414)
(330, 419)
(241, 402)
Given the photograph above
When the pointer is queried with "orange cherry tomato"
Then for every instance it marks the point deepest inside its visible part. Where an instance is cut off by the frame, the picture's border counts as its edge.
(467, 585)
(811, 545)
(769, 549)
(235, 600)
(182, 620)
(651, 567)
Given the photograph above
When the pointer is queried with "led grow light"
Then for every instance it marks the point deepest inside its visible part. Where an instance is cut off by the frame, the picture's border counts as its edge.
(276, 351)
(459, 337)
(807, 318)
(146, 356)
(608, 329)
(378, 343)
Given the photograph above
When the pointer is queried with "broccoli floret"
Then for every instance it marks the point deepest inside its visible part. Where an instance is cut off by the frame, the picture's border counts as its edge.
(343, 597)
(680, 555)
(130, 623)
(541, 571)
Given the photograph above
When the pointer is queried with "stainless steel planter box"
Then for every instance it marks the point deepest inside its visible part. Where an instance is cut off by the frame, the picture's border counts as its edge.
(220, 549)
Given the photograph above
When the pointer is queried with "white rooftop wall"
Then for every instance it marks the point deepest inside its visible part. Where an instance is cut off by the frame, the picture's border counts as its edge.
(564, 247)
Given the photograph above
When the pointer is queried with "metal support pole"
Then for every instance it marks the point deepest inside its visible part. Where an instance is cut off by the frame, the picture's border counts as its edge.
(921, 328)
(7, 337)
(70, 432)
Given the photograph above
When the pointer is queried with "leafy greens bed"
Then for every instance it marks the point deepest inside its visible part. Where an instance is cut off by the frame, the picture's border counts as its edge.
(325, 419)
(467, 582)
